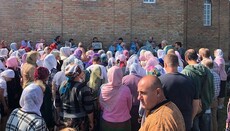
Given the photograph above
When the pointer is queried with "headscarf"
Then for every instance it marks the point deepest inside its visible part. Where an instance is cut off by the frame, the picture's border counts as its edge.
(134, 69)
(4, 52)
(39, 46)
(160, 53)
(109, 54)
(104, 59)
(32, 99)
(50, 62)
(67, 61)
(8, 73)
(218, 53)
(126, 53)
(71, 72)
(111, 62)
(12, 62)
(122, 59)
(41, 73)
(53, 46)
(24, 58)
(151, 63)
(19, 53)
(2, 66)
(32, 57)
(89, 54)
(65, 52)
(77, 53)
(100, 52)
(110, 90)
(117, 54)
(23, 44)
(148, 55)
(79, 63)
(95, 76)
(13, 46)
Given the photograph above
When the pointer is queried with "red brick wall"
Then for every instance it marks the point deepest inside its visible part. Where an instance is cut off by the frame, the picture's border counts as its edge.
(82, 20)
(215, 36)
(173, 20)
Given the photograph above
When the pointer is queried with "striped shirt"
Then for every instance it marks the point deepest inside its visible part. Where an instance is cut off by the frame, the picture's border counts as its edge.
(25, 121)
(76, 102)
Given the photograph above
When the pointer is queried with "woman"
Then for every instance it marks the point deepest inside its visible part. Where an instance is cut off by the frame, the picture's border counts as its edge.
(219, 60)
(29, 67)
(14, 88)
(29, 116)
(131, 81)
(76, 100)
(116, 102)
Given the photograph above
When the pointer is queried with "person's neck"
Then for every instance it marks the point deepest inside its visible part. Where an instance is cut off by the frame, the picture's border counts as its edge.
(193, 62)
(172, 70)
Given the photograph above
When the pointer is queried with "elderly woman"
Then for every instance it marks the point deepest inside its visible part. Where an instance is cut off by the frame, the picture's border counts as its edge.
(116, 102)
(220, 69)
(131, 81)
(76, 101)
(29, 116)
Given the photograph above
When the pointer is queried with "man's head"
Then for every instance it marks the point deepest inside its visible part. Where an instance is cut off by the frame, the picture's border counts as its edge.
(150, 92)
(207, 63)
(171, 63)
(191, 55)
(204, 53)
(120, 40)
(178, 45)
(164, 43)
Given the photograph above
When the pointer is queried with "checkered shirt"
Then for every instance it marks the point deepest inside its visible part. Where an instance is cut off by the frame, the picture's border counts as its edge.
(216, 80)
(23, 121)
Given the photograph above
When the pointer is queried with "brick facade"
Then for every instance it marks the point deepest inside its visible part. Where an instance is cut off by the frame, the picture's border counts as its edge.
(173, 20)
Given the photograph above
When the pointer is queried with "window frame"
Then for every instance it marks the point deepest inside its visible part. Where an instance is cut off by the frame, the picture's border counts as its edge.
(149, 1)
(207, 14)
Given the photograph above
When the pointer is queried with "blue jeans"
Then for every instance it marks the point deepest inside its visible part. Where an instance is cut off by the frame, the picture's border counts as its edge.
(202, 123)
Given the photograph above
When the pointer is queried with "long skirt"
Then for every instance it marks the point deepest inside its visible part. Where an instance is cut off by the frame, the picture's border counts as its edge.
(115, 126)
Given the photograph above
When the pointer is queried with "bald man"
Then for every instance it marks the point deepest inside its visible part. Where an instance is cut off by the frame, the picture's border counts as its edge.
(161, 114)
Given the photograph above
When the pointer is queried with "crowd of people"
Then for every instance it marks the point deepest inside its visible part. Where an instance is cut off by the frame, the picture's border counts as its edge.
(145, 86)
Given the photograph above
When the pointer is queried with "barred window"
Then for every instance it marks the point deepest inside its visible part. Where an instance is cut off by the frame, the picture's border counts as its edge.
(149, 1)
(207, 13)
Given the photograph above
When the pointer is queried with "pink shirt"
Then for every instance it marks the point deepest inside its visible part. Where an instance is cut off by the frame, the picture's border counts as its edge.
(122, 106)
(221, 68)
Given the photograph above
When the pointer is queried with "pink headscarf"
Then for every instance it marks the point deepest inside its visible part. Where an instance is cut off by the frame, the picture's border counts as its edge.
(126, 53)
(110, 90)
(12, 62)
(151, 63)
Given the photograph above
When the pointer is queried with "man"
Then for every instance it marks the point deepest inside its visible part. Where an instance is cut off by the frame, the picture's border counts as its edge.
(180, 49)
(178, 88)
(203, 81)
(216, 79)
(161, 114)
(165, 46)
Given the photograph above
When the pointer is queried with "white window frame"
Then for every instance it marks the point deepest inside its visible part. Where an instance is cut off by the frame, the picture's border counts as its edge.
(149, 1)
(207, 20)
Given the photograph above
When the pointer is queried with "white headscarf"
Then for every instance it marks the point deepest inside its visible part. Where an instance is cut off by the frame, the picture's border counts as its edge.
(31, 99)
(218, 53)
(109, 54)
(50, 62)
(160, 53)
(65, 52)
(8, 73)
(13, 46)
(4, 52)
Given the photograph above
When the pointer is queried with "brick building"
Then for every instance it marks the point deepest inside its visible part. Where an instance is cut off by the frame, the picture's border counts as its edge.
(197, 23)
